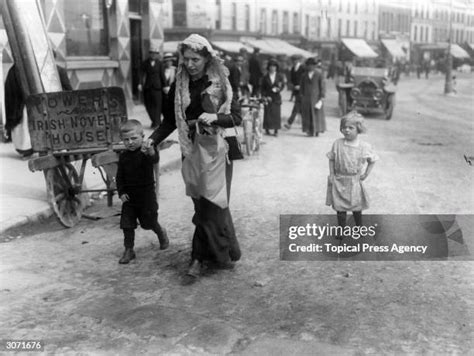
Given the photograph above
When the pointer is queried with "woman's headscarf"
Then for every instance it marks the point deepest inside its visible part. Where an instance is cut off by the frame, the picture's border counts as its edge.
(219, 91)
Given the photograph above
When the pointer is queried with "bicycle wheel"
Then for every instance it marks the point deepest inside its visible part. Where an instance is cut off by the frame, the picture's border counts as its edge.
(247, 126)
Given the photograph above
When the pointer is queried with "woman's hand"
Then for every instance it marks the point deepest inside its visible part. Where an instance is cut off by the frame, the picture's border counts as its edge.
(207, 118)
(147, 144)
(124, 198)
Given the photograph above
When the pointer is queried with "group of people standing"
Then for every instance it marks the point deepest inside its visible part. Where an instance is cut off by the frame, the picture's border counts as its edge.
(155, 83)
(306, 81)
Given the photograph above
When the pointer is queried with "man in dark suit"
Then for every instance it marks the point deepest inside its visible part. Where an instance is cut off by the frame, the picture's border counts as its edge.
(255, 71)
(296, 73)
(153, 83)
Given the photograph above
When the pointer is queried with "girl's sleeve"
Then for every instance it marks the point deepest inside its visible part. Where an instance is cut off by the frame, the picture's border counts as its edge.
(332, 154)
(369, 154)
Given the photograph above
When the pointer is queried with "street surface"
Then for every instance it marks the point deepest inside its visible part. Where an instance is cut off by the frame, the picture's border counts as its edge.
(65, 286)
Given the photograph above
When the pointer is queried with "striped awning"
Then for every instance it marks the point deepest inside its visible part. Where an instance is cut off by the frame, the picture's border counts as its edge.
(230, 46)
(275, 46)
(458, 52)
(359, 47)
(394, 48)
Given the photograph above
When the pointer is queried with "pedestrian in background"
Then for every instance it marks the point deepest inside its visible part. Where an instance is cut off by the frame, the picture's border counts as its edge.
(136, 188)
(234, 74)
(153, 82)
(244, 75)
(201, 71)
(170, 76)
(16, 125)
(255, 71)
(272, 85)
(296, 73)
(350, 162)
(312, 89)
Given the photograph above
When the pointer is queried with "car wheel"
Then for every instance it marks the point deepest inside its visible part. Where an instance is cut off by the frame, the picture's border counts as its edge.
(390, 106)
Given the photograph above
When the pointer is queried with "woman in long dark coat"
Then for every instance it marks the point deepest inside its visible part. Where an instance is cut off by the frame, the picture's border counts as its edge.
(312, 91)
(200, 75)
(272, 84)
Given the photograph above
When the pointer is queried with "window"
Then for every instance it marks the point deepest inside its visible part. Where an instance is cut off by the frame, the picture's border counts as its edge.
(356, 8)
(296, 23)
(355, 28)
(348, 27)
(427, 35)
(340, 5)
(86, 28)
(234, 16)
(421, 33)
(135, 6)
(373, 31)
(339, 28)
(263, 21)
(318, 27)
(247, 18)
(306, 29)
(415, 34)
(179, 13)
(274, 22)
(218, 14)
(329, 28)
(366, 29)
(286, 22)
(348, 7)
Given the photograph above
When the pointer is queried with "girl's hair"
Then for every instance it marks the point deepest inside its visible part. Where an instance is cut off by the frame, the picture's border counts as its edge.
(355, 118)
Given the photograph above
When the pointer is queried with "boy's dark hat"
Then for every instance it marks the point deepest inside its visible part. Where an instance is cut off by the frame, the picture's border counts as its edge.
(310, 61)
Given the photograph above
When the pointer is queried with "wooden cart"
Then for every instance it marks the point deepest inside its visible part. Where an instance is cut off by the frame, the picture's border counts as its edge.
(75, 126)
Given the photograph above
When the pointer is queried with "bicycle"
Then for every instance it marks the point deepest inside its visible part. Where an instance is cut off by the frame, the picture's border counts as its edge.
(252, 123)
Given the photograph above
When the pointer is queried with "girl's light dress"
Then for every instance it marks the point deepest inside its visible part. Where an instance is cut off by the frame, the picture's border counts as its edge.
(346, 191)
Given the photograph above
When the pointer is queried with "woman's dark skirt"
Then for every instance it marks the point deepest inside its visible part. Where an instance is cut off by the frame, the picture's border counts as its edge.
(214, 238)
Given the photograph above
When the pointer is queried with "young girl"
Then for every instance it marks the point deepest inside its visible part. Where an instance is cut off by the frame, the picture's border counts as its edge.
(350, 163)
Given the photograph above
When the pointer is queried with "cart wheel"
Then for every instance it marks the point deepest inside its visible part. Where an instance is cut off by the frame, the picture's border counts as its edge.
(67, 203)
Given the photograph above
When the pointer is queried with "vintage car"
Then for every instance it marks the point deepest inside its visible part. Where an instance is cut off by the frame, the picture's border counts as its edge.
(367, 90)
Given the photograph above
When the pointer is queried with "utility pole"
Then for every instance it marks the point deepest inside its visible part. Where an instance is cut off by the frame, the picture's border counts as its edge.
(448, 84)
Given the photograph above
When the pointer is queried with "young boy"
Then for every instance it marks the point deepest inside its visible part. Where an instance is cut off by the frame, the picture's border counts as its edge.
(136, 188)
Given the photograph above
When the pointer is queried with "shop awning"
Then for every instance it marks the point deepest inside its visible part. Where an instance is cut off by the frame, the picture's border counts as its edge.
(263, 46)
(275, 46)
(458, 52)
(394, 48)
(230, 46)
(288, 49)
(359, 47)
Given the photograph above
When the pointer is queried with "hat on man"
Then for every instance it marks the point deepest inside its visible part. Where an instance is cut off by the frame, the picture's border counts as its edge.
(168, 57)
(296, 56)
(154, 48)
(310, 61)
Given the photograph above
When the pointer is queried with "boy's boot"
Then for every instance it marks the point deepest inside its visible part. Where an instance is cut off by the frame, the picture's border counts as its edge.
(162, 237)
(128, 255)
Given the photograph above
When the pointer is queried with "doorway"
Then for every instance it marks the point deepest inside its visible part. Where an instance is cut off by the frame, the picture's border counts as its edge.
(136, 58)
